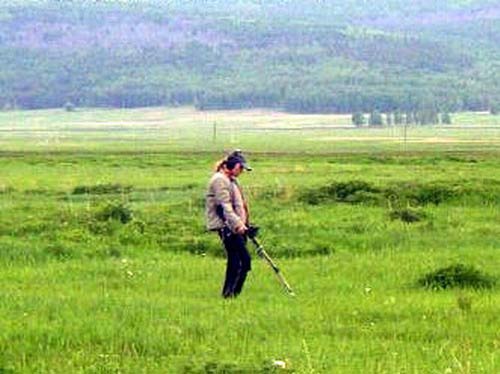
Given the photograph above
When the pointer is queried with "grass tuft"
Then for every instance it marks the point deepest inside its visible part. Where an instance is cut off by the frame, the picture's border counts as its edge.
(116, 211)
(362, 192)
(59, 251)
(233, 368)
(407, 215)
(457, 276)
(353, 192)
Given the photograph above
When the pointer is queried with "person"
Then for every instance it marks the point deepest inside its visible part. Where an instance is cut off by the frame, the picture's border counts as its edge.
(227, 214)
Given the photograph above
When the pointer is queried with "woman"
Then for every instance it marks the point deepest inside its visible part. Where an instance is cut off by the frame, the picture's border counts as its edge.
(227, 213)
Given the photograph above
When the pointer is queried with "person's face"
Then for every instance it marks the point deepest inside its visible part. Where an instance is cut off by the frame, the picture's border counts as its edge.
(237, 170)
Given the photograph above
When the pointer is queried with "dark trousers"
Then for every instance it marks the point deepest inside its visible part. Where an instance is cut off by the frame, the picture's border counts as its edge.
(238, 262)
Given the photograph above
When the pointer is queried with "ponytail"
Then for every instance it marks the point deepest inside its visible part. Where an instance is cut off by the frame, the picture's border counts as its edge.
(220, 164)
(228, 162)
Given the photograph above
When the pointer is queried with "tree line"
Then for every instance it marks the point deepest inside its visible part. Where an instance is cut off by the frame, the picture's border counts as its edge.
(422, 117)
(139, 59)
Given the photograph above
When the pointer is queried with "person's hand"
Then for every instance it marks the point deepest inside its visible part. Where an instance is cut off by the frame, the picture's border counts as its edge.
(241, 230)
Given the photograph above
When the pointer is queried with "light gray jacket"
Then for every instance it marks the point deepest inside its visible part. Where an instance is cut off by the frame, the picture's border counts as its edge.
(223, 208)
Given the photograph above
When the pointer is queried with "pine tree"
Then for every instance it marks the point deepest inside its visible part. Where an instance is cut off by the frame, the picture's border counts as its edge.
(358, 119)
(398, 118)
(446, 118)
(388, 118)
(376, 119)
(494, 109)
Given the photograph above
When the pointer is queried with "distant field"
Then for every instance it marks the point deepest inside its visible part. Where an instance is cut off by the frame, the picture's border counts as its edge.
(105, 266)
(258, 130)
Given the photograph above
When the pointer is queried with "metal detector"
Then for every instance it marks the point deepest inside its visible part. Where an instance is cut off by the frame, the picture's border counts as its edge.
(252, 235)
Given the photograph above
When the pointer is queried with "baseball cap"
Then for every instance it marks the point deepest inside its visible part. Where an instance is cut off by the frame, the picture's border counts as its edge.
(237, 157)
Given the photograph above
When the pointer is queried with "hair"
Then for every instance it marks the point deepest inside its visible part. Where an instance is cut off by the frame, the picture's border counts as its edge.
(231, 162)
(228, 162)
(220, 164)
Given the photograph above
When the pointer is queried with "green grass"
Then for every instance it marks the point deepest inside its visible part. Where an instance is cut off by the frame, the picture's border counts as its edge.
(84, 293)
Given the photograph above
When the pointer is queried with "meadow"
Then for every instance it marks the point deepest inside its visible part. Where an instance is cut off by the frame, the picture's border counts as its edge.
(105, 265)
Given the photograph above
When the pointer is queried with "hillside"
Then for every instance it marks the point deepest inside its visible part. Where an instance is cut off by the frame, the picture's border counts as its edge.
(326, 57)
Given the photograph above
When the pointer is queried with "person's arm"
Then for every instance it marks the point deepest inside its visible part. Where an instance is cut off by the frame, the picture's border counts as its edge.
(222, 192)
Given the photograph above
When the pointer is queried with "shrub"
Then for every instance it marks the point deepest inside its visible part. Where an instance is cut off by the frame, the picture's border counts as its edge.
(115, 211)
(458, 275)
(401, 194)
(210, 367)
(363, 197)
(407, 215)
(432, 194)
(349, 192)
(345, 190)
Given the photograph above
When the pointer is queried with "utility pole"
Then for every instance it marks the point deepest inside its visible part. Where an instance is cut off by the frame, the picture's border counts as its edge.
(405, 134)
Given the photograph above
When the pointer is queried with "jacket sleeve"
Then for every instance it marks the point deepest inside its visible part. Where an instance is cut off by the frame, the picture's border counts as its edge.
(222, 192)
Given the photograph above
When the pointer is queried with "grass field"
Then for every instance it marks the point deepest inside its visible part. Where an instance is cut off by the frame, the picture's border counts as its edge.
(184, 129)
(105, 265)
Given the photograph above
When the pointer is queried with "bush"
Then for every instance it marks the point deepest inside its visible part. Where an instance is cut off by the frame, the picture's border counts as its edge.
(401, 194)
(407, 215)
(210, 367)
(117, 211)
(417, 194)
(458, 275)
(363, 197)
(348, 192)
(432, 194)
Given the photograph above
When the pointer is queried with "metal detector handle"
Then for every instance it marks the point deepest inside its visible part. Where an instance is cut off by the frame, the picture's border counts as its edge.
(263, 254)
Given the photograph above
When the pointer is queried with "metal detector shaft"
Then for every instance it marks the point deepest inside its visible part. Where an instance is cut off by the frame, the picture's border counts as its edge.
(263, 254)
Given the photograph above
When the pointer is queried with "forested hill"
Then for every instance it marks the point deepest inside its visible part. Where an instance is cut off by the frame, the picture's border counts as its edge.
(302, 55)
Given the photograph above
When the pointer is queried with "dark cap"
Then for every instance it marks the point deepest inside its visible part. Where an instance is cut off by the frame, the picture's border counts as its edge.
(237, 157)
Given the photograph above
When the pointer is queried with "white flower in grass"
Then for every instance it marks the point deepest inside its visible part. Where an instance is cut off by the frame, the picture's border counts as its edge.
(279, 364)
